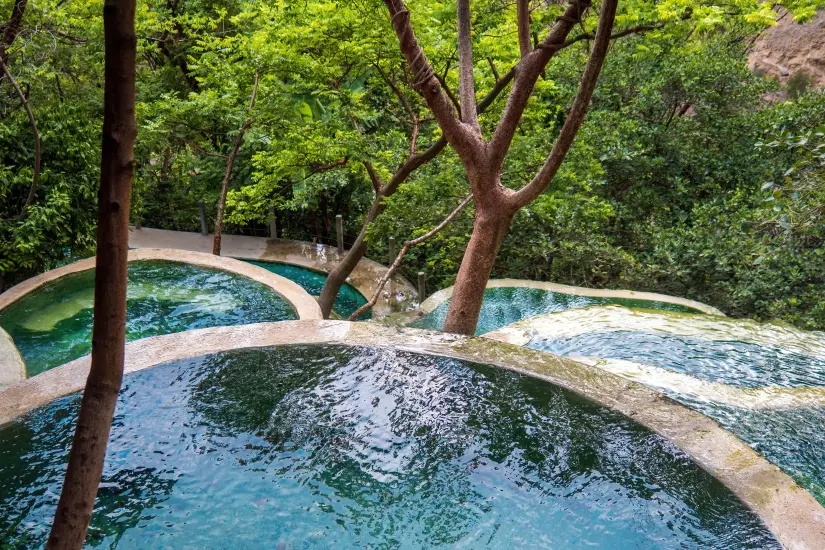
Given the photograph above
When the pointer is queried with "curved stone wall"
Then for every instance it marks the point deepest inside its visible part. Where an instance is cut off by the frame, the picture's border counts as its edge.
(12, 366)
(305, 305)
(315, 257)
(437, 298)
(790, 512)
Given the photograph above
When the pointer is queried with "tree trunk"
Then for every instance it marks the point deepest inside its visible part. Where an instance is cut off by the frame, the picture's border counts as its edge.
(74, 510)
(227, 176)
(230, 163)
(489, 229)
(338, 276)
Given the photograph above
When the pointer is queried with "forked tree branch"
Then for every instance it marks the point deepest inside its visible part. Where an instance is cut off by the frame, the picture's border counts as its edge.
(575, 117)
(397, 263)
(466, 83)
(528, 71)
(426, 82)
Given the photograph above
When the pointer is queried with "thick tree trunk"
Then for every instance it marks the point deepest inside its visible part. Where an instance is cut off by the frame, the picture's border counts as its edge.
(489, 229)
(74, 510)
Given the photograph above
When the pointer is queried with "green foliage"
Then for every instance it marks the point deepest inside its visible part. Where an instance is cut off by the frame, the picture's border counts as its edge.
(682, 179)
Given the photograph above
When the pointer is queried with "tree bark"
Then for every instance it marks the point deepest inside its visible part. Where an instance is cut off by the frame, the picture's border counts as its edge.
(12, 27)
(489, 228)
(74, 510)
(497, 206)
(227, 176)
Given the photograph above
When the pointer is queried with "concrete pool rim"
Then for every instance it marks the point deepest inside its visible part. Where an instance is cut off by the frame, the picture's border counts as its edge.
(315, 257)
(794, 517)
(441, 296)
(300, 300)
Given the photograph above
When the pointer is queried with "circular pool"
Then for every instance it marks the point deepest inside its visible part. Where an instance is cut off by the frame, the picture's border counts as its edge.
(52, 324)
(504, 305)
(333, 446)
(347, 301)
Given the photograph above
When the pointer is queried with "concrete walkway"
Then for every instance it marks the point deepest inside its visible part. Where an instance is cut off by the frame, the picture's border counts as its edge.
(317, 257)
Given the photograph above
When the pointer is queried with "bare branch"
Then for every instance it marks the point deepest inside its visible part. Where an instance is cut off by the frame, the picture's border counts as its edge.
(397, 263)
(638, 29)
(407, 107)
(450, 94)
(523, 15)
(374, 177)
(493, 68)
(203, 151)
(227, 176)
(466, 82)
(576, 115)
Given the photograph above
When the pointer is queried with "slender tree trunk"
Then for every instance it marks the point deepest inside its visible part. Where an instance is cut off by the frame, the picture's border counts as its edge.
(74, 510)
(489, 229)
(227, 176)
(338, 276)
(230, 164)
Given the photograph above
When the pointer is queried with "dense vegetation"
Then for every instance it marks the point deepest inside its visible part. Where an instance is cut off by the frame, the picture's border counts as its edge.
(683, 179)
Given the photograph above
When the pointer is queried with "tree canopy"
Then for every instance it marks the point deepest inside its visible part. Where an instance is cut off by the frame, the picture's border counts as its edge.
(683, 177)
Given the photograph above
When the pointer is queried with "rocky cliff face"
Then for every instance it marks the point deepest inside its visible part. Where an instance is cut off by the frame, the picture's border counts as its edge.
(792, 52)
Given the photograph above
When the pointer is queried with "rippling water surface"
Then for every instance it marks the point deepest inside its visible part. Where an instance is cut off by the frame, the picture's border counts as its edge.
(339, 447)
(739, 353)
(53, 325)
(505, 305)
(740, 364)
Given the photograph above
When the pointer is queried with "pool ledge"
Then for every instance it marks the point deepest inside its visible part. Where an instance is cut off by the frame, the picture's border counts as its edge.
(795, 518)
(437, 298)
(305, 305)
(315, 257)
(12, 366)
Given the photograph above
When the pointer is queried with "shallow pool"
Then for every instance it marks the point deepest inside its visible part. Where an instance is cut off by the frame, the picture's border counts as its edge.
(53, 324)
(743, 354)
(505, 305)
(342, 447)
(347, 302)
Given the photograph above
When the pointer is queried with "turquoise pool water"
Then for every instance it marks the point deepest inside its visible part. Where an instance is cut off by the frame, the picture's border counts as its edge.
(53, 325)
(505, 305)
(347, 302)
(341, 447)
(740, 364)
(792, 438)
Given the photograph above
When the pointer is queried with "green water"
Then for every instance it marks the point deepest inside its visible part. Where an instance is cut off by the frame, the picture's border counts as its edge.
(505, 305)
(341, 447)
(347, 301)
(53, 324)
(792, 438)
